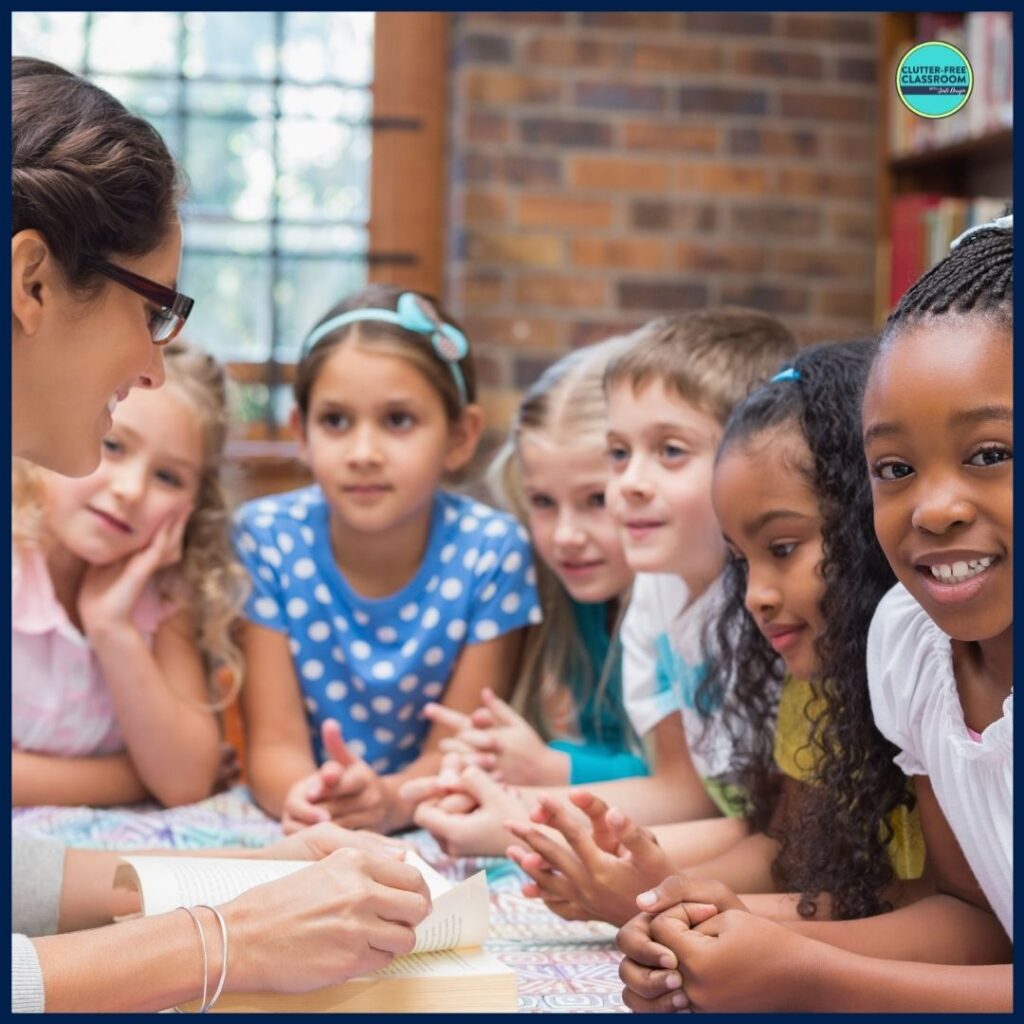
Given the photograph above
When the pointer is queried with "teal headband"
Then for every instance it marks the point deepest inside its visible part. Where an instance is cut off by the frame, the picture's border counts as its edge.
(789, 373)
(416, 314)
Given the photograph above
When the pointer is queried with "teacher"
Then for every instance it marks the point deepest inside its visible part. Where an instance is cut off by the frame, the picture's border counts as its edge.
(95, 253)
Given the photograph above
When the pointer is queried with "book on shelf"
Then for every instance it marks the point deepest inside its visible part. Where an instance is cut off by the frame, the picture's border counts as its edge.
(447, 971)
(986, 37)
(922, 227)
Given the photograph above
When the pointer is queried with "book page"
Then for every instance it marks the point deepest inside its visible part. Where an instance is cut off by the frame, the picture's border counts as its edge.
(460, 917)
(170, 882)
(440, 963)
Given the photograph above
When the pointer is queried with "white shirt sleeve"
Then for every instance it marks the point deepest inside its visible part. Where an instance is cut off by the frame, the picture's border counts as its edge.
(895, 648)
(646, 693)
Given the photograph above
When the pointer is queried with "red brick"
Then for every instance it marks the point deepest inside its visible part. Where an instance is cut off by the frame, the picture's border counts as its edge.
(490, 49)
(620, 253)
(724, 179)
(670, 137)
(478, 85)
(852, 264)
(858, 69)
(514, 332)
(774, 142)
(843, 302)
(808, 183)
(728, 23)
(484, 126)
(660, 296)
(526, 369)
(674, 57)
(572, 51)
(513, 19)
(514, 249)
(656, 21)
(490, 367)
(473, 287)
(474, 167)
(561, 211)
(768, 297)
(660, 215)
(588, 332)
(480, 207)
(770, 221)
(778, 63)
(853, 225)
(720, 256)
(561, 131)
(825, 107)
(708, 99)
(610, 95)
(855, 147)
(854, 28)
(561, 290)
(619, 173)
(499, 406)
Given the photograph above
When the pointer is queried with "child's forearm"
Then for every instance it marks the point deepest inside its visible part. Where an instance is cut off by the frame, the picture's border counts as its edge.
(694, 842)
(104, 781)
(272, 769)
(172, 739)
(745, 867)
(838, 980)
(937, 929)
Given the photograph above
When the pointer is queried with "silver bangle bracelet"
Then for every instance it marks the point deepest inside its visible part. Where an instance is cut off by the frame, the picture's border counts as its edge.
(206, 964)
(224, 963)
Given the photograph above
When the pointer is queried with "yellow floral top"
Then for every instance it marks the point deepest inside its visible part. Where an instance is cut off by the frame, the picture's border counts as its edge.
(794, 757)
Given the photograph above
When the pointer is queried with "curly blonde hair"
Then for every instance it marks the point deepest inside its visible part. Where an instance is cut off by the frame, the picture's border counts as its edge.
(207, 579)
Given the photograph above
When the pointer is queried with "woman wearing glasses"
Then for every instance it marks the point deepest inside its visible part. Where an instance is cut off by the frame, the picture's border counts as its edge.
(95, 251)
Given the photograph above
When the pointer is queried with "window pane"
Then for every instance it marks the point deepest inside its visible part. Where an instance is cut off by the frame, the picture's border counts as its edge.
(306, 290)
(326, 102)
(232, 311)
(148, 97)
(332, 240)
(246, 100)
(57, 36)
(230, 164)
(229, 44)
(145, 41)
(332, 46)
(325, 170)
(223, 235)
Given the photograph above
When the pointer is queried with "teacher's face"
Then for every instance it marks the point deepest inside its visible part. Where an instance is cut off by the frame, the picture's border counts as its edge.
(75, 359)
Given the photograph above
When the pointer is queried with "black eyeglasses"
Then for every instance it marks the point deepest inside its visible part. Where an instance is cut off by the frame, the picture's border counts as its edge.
(172, 310)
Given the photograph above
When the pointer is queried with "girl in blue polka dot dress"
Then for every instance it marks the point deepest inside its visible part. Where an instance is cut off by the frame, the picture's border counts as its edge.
(375, 591)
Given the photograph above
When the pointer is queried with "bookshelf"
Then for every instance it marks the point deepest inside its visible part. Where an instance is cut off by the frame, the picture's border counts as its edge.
(938, 177)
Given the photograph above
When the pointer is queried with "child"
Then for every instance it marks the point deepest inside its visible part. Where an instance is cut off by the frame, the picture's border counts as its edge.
(805, 575)
(125, 588)
(552, 472)
(669, 394)
(374, 590)
(939, 670)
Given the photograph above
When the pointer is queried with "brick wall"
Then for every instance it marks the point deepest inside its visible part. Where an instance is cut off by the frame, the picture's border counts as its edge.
(607, 167)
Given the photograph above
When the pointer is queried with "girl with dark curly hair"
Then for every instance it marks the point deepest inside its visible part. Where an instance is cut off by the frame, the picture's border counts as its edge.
(938, 436)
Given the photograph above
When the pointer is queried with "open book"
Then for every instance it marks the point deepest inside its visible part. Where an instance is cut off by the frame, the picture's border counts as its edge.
(447, 970)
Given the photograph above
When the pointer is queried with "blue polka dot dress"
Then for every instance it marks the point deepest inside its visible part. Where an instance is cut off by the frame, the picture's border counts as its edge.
(372, 663)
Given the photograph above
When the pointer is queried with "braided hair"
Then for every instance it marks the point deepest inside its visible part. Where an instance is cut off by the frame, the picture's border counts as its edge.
(975, 278)
(93, 179)
(835, 837)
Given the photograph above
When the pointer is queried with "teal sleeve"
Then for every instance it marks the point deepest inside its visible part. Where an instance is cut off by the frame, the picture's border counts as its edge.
(593, 762)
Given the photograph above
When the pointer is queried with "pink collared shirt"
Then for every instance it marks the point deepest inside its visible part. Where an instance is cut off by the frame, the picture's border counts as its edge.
(60, 703)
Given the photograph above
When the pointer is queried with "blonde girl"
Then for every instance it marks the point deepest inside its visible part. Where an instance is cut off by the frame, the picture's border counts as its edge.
(124, 591)
(566, 723)
(375, 590)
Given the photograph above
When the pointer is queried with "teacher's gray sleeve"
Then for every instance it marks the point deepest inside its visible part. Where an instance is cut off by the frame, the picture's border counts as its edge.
(37, 873)
(26, 977)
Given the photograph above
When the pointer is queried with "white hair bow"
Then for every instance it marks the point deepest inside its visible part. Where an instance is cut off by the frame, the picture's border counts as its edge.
(1005, 223)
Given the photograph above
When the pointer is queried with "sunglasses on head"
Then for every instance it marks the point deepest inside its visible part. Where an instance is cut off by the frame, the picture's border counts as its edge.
(173, 308)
